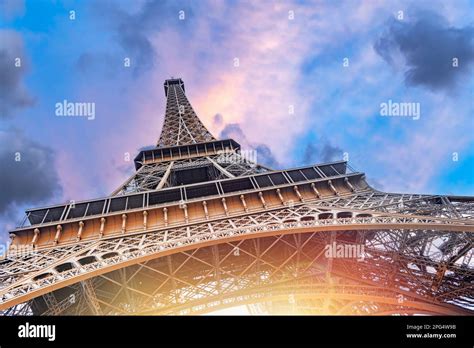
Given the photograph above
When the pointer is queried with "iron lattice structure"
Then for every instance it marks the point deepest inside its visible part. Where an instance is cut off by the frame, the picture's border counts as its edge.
(201, 227)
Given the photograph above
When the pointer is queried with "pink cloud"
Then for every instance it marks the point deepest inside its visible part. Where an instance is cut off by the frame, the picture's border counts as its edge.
(259, 93)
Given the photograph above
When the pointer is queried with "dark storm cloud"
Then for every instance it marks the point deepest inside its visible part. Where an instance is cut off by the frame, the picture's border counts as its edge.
(13, 94)
(428, 45)
(321, 152)
(32, 179)
(264, 154)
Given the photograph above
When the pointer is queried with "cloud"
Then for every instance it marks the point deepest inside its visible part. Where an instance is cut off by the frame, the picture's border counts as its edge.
(321, 153)
(428, 46)
(93, 63)
(270, 48)
(234, 131)
(218, 120)
(9, 9)
(13, 94)
(264, 154)
(132, 26)
(30, 180)
(256, 95)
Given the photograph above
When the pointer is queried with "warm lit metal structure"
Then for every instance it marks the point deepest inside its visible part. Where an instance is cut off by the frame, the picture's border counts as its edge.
(201, 227)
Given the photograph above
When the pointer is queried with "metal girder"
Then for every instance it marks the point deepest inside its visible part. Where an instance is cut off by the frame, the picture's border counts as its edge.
(182, 125)
(90, 295)
(385, 242)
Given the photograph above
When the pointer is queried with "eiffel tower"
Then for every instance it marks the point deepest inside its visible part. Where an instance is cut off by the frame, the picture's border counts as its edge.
(201, 227)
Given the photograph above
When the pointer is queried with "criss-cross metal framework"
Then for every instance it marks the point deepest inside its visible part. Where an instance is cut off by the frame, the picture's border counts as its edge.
(200, 227)
(181, 126)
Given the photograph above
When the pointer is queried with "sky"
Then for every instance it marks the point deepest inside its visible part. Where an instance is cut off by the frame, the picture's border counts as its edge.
(300, 82)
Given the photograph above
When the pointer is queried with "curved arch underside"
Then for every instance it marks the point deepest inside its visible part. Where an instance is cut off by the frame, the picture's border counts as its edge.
(427, 258)
(276, 274)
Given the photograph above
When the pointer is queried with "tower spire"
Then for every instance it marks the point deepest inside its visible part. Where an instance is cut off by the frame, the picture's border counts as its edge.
(181, 125)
